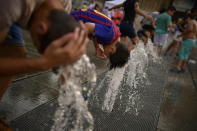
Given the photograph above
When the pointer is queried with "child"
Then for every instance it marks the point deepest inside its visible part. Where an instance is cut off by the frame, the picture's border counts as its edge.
(104, 33)
(162, 24)
(189, 39)
(61, 23)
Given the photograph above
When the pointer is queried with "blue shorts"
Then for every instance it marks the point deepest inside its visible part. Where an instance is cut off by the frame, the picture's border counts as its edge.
(14, 37)
(127, 29)
(186, 49)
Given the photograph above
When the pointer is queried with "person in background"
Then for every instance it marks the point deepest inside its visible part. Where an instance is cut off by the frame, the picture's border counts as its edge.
(189, 39)
(107, 12)
(84, 6)
(149, 25)
(131, 9)
(174, 47)
(144, 35)
(117, 17)
(91, 5)
(97, 7)
(163, 23)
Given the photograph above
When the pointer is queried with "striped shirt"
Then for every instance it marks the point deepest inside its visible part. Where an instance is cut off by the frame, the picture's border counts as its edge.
(106, 32)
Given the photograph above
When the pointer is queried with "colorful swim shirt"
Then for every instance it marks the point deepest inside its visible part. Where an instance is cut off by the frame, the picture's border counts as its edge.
(106, 32)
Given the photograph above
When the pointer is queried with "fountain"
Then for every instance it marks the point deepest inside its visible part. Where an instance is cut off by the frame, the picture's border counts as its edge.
(119, 93)
(72, 113)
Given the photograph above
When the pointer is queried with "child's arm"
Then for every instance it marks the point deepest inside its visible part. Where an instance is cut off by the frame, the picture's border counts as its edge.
(90, 29)
(99, 50)
(140, 12)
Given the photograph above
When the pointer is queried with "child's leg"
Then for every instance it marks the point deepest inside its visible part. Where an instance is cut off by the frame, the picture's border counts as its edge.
(179, 47)
(184, 64)
(180, 64)
(169, 47)
(174, 47)
(160, 50)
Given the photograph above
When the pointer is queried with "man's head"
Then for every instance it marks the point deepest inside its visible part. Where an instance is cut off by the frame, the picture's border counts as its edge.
(120, 57)
(38, 24)
(59, 23)
(188, 12)
(171, 10)
(189, 17)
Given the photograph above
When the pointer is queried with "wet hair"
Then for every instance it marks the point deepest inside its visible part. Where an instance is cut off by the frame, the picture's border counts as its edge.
(171, 8)
(60, 23)
(119, 58)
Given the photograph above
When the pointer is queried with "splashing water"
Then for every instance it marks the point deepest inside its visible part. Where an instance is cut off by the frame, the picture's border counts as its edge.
(113, 88)
(125, 83)
(151, 51)
(72, 113)
(136, 73)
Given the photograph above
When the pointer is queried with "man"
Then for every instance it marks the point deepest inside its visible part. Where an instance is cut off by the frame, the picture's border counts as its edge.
(33, 15)
(161, 32)
(131, 9)
(189, 39)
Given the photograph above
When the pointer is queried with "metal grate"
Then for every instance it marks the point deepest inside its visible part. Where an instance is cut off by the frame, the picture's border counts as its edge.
(40, 119)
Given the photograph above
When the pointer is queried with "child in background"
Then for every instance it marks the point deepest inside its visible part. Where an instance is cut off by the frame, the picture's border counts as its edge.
(162, 24)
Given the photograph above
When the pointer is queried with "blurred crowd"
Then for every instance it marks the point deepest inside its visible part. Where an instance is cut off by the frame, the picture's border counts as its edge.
(177, 26)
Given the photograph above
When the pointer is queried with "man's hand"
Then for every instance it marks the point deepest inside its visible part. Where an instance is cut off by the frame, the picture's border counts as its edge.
(66, 50)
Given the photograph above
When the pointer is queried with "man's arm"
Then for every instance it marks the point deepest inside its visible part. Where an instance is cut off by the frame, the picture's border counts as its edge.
(56, 54)
(117, 6)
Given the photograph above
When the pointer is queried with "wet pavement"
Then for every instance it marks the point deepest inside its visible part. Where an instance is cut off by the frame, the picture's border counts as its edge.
(178, 109)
